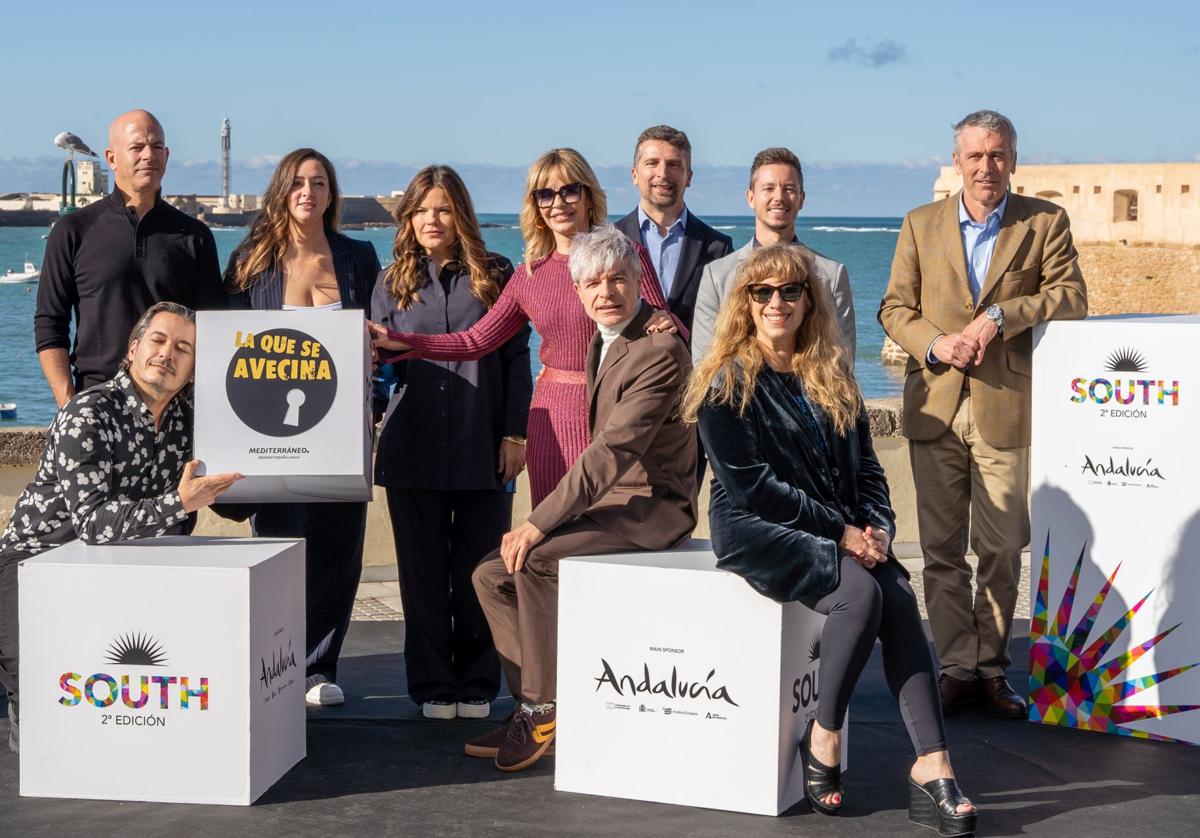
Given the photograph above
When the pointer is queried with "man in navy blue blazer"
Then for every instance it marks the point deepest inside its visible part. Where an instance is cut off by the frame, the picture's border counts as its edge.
(679, 243)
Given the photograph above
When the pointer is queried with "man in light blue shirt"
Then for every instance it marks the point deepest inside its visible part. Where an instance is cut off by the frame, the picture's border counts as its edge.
(678, 243)
(979, 240)
(663, 248)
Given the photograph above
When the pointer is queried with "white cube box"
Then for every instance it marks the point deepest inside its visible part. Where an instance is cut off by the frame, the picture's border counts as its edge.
(679, 683)
(281, 397)
(168, 669)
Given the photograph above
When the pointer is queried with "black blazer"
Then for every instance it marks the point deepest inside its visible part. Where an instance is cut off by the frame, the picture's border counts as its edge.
(355, 264)
(778, 506)
(701, 245)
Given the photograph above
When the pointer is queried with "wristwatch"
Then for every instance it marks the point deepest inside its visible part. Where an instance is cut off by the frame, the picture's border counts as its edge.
(996, 315)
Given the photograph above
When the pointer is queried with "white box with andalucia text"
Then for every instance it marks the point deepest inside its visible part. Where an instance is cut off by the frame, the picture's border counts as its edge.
(679, 683)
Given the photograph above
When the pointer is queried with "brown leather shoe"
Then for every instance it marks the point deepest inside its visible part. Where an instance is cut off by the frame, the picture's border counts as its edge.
(1001, 699)
(956, 693)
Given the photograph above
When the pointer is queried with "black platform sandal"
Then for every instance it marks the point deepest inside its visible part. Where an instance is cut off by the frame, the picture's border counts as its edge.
(935, 805)
(820, 780)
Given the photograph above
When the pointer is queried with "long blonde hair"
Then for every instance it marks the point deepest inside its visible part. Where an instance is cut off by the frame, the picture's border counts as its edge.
(569, 165)
(729, 372)
(405, 275)
(267, 242)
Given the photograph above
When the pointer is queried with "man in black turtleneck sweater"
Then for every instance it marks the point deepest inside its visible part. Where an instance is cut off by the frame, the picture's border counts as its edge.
(107, 263)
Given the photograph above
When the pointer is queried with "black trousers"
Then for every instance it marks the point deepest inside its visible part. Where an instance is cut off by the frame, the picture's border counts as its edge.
(440, 538)
(333, 554)
(870, 604)
(9, 625)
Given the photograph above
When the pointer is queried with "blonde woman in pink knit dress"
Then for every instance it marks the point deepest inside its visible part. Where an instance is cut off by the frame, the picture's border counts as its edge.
(562, 198)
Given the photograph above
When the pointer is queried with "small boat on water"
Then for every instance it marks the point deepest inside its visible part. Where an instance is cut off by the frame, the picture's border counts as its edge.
(30, 274)
(8, 410)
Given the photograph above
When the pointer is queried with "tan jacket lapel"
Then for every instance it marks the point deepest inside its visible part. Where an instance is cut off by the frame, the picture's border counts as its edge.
(952, 242)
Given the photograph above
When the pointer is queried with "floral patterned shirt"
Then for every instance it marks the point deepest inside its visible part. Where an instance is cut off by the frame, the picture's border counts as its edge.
(106, 474)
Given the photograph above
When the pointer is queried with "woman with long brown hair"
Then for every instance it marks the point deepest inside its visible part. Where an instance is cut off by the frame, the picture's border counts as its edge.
(800, 508)
(452, 439)
(562, 198)
(294, 259)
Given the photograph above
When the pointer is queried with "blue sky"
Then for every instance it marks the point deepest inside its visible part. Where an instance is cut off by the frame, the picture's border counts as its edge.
(843, 85)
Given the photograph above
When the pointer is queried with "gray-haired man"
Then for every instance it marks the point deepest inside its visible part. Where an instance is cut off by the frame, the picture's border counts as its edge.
(972, 275)
(633, 488)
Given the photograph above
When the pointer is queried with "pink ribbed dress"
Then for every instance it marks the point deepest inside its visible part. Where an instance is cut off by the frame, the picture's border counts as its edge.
(558, 416)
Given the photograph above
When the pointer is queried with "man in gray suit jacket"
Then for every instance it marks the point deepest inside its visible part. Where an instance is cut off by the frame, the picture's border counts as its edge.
(776, 195)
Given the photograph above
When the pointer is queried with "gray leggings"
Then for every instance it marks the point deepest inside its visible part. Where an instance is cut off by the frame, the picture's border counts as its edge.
(869, 604)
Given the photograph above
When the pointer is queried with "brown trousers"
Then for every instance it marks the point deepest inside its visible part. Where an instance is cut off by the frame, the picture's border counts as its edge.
(960, 478)
(522, 607)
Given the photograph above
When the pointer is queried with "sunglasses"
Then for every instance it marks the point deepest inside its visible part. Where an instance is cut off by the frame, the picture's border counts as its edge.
(569, 193)
(789, 293)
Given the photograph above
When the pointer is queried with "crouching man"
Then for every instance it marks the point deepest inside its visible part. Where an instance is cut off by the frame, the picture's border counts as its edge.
(117, 466)
(633, 488)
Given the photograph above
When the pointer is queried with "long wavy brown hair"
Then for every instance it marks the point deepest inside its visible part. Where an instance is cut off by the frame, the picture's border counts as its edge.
(270, 232)
(729, 372)
(569, 165)
(406, 275)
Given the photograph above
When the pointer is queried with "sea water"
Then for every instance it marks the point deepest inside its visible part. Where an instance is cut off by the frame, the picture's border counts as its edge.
(865, 245)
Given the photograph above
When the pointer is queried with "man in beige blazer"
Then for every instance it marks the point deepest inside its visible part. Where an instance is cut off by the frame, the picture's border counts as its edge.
(633, 488)
(971, 275)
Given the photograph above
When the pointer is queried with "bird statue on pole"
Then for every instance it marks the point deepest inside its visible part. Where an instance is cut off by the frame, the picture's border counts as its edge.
(73, 145)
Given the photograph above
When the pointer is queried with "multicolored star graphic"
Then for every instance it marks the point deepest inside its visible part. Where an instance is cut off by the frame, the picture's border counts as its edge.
(1068, 685)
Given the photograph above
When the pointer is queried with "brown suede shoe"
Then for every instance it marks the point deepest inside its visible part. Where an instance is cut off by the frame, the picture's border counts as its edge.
(488, 745)
(1001, 699)
(956, 693)
(530, 736)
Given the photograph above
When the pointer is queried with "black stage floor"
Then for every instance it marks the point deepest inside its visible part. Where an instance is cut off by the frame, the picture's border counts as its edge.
(375, 767)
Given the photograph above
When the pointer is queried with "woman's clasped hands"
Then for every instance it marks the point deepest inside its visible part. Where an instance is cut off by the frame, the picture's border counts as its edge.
(867, 546)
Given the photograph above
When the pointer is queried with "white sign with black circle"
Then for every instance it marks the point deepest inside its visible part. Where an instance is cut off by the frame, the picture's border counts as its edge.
(282, 398)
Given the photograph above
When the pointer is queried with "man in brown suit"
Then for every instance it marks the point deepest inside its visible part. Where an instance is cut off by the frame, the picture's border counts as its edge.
(633, 488)
(971, 275)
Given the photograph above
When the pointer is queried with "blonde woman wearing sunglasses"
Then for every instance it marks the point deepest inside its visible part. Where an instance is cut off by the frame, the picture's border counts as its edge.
(562, 199)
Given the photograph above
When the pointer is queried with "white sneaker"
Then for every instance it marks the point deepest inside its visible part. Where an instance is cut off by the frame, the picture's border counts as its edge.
(438, 709)
(474, 708)
(323, 692)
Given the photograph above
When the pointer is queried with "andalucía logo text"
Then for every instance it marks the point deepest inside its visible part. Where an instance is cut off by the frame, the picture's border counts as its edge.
(668, 687)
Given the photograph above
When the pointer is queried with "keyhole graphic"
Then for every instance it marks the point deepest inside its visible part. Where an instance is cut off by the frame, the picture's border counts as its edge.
(295, 398)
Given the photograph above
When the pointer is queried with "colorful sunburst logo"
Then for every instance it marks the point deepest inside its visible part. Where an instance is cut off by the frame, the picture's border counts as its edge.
(1068, 685)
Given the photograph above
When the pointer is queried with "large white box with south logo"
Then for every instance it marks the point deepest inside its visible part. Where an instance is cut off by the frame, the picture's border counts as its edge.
(1115, 474)
(282, 397)
(679, 683)
(165, 670)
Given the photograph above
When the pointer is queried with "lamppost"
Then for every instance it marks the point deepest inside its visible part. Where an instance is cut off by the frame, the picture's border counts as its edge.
(72, 144)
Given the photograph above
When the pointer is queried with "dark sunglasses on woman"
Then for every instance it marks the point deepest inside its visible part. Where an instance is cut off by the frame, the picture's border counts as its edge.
(569, 193)
(790, 293)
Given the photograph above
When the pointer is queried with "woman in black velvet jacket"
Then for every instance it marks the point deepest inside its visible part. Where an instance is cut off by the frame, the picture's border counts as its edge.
(800, 508)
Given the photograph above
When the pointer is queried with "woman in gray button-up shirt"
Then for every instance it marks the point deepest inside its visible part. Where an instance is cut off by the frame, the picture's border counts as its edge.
(452, 438)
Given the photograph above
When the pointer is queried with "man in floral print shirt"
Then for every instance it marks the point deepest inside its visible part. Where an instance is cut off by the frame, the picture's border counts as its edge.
(117, 466)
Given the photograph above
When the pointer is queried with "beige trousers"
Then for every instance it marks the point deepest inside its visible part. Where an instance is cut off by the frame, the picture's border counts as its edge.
(960, 480)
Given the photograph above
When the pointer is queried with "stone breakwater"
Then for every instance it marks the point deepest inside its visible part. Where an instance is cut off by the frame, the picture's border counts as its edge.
(1125, 279)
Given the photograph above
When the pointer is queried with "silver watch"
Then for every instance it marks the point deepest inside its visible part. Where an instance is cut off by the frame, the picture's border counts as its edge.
(996, 315)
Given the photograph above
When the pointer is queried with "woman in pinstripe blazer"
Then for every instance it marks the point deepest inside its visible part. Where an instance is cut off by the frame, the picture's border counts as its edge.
(294, 258)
